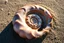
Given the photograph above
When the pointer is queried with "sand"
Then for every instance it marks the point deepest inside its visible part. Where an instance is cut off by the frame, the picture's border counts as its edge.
(8, 9)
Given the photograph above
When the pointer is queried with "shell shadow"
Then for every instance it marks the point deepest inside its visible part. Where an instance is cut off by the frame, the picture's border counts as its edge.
(9, 36)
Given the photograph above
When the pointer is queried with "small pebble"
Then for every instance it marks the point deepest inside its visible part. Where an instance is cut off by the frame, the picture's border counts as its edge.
(6, 1)
(1, 9)
(8, 13)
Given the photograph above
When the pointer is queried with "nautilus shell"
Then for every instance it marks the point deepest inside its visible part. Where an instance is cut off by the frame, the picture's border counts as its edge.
(32, 21)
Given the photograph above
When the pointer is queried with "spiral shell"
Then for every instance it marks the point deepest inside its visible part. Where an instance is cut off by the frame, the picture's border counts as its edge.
(30, 20)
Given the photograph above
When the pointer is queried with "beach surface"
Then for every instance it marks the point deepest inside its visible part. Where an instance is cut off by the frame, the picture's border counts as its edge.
(7, 12)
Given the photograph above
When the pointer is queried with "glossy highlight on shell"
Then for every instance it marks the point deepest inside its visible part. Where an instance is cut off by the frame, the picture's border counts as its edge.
(30, 20)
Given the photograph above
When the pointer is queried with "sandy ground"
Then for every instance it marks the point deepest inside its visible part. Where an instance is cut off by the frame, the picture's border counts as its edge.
(7, 11)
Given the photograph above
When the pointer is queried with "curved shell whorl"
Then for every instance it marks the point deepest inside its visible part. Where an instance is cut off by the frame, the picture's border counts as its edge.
(29, 19)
